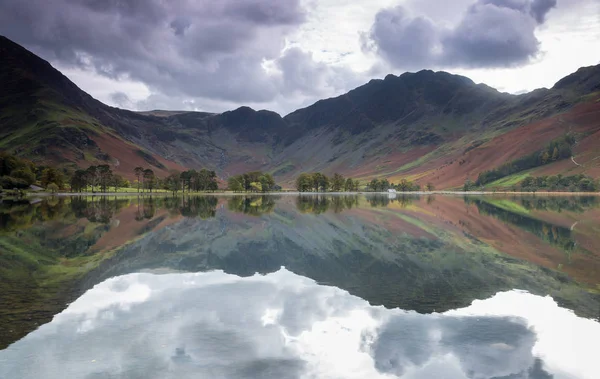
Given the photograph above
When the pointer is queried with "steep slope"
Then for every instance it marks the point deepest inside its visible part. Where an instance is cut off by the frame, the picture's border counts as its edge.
(429, 126)
(45, 117)
(418, 124)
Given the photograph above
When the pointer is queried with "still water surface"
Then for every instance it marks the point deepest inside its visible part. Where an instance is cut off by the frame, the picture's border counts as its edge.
(300, 287)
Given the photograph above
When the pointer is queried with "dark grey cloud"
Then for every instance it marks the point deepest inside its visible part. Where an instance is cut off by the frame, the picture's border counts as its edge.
(491, 33)
(540, 8)
(201, 49)
(486, 347)
(403, 40)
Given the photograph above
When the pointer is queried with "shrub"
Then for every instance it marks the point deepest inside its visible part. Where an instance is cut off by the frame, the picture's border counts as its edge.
(9, 182)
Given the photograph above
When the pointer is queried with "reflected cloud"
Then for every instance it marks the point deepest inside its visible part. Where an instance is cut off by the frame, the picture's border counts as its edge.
(282, 325)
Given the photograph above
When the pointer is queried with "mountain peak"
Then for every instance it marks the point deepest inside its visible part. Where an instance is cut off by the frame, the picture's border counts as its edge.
(585, 79)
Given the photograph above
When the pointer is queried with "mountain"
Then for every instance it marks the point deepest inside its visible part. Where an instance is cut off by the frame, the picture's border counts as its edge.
(426, 126)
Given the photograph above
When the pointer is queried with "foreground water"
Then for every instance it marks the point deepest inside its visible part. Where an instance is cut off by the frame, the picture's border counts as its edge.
(411, 287)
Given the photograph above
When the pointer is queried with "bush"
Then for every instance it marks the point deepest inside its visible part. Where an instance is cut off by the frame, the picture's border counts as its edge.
(9, 182)
(25, 174)
(573, 183)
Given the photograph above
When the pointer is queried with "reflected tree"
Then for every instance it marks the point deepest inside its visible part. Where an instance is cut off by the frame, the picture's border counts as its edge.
(252, 205)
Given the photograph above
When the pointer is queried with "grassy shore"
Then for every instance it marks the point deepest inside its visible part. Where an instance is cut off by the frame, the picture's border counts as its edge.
(287, 193)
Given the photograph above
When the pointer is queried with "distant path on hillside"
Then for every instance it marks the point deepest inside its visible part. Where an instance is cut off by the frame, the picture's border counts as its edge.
(580, 165)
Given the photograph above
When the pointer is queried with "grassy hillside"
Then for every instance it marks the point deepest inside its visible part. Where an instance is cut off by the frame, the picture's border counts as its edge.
(426, 126)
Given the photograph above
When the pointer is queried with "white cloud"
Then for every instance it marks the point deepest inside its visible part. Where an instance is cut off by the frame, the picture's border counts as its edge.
(282, 325)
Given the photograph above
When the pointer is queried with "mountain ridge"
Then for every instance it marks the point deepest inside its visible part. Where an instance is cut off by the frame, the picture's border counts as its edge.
(411, 125)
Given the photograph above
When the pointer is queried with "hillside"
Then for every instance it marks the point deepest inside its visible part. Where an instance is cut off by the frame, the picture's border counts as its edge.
(429, 126)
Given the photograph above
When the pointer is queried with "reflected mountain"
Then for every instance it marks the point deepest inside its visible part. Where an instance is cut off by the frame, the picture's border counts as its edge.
(427, 254)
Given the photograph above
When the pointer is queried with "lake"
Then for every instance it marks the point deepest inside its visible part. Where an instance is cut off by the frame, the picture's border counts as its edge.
(310, 286)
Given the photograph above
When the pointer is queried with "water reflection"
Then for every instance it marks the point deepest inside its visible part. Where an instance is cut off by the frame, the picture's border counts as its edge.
(553, 234)
(252, 205)
(286, 326)
(385, 200)
(428, 254)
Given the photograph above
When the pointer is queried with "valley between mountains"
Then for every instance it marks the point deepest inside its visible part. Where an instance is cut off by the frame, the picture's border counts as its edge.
(429, 127)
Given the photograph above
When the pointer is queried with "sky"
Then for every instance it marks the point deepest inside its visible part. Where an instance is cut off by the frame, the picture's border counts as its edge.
(215, 56)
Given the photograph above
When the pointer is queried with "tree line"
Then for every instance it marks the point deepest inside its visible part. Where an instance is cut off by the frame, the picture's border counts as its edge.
(97, 177)
(559, 182)
(558, 149)
(20, 174)
(551, 183)
(254, 181)
(319, 182)
(405, 185)
(190, 181)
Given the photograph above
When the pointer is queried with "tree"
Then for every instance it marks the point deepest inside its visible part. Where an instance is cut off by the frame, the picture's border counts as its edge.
(384, 185)
(430, 187)
(323, 183)
(25, 174)
(206, 180)
(186, 178)
(468, 185)
(93, 176)
(234, 183)
(149, 179)
(545, 157)
(79, 181)
(555, 154)
(404, 185)
(117, 181)
(349, 185)
(105, 174)
(304, 182)
(139, 171)
(256, 187)
(267, 182)
(213, 185)
(337, 183)
(374, 185)
(528, 183)
(52, 175)
(52, 187)
(316, 180)
(587, 185)
(173, 182)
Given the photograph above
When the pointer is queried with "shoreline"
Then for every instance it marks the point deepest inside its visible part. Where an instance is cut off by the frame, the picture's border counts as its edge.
(296, 193)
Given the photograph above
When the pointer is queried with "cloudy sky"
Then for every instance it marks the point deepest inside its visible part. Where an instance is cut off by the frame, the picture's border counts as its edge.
(281, 55)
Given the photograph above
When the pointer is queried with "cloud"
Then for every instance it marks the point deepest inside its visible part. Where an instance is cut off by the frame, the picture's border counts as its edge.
(402, 40)
(211, 49)
(282, 325)
(303, 75)
(121, 100)
(491, 33)
(205, 55)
